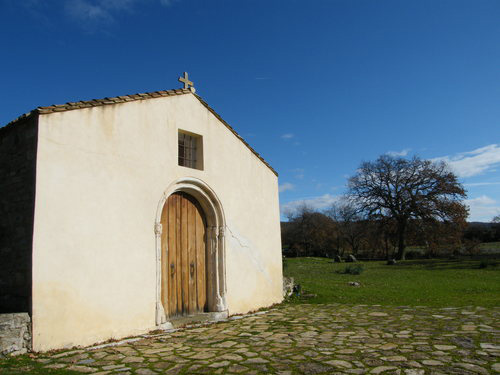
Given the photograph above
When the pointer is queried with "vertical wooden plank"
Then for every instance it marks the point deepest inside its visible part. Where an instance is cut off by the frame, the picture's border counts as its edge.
(209, 267)
(184, 254)
(192, 254)
(170, 229)
(200, 260)
(178, 251)
(164, 275)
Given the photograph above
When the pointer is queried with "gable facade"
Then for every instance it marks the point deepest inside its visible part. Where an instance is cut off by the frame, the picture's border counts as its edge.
(100, 247)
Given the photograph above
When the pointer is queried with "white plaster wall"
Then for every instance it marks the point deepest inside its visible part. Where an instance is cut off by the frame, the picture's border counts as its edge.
(100, 175)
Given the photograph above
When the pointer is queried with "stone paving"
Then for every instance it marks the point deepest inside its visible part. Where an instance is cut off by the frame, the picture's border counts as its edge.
(310, 339)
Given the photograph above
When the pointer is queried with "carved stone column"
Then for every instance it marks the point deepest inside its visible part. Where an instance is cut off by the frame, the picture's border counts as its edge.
(221, 271)
(160, 311)
(214, 250)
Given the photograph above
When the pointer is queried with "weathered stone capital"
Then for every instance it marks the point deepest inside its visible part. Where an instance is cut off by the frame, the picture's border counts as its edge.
(222, 231)
(158, 228)
(214, 239)
(214, 232)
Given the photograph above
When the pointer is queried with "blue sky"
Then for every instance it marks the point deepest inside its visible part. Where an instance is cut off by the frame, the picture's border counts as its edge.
(315, 86)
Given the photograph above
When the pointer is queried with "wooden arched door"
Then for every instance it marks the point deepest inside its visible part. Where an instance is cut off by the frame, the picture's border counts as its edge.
(184, 280)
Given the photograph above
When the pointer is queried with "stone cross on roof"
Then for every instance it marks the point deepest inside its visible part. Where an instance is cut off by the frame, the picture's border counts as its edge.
(187, 82)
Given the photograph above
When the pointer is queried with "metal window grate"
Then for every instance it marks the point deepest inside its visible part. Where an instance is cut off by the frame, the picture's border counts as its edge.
(187, 150)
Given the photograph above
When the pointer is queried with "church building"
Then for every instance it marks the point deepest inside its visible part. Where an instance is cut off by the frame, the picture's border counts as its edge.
(120, 215)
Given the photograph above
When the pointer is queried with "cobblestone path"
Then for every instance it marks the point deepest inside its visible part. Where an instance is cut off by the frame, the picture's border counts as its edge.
(310, 339)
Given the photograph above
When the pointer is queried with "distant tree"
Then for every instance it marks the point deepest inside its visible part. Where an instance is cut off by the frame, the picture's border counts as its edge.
(399, 190)
(308, 233)
(349, 222)
(378, 238)
(482, 232)
(443, 237)
(496, 228)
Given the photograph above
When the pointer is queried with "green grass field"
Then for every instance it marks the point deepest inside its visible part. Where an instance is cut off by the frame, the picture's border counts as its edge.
(438, 283)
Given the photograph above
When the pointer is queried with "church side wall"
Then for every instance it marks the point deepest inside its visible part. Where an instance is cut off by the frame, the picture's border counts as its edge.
(101, 174)
(18, 144)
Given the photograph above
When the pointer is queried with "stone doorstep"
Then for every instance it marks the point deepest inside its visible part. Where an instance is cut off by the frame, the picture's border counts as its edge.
(199, 318)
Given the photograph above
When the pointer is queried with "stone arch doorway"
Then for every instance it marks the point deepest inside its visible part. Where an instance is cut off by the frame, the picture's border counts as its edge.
(194, 243)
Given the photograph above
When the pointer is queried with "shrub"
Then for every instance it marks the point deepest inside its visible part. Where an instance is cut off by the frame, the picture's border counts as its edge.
(413, 254)
(353, 269)
(297, 289)
(484, 263)
(285, 263)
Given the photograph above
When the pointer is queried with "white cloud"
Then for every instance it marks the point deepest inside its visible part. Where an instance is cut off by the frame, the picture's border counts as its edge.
(286, 186)
(399, 153)
(86, 11)
(482, 208)
(472, 163)
(287, 136)
(103, 10)
(36, 8)
(317, 203)
(298, 173)
(483, 200)
(472, 184)
(117, 4)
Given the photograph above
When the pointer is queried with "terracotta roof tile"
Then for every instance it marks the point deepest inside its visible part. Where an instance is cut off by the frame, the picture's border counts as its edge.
(108, 100)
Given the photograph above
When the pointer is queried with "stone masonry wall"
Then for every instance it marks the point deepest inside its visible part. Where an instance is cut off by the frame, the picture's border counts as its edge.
(18, 144)
(15, 333)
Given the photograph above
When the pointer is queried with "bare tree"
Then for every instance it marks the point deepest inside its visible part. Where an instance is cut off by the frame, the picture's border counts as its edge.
(400, 190)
